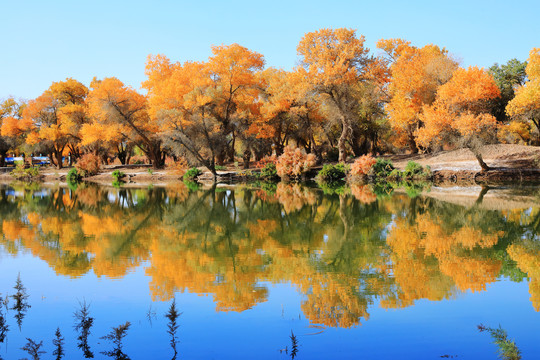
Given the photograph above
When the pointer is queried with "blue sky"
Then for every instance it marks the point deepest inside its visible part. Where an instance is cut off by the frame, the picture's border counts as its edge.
(46, 41)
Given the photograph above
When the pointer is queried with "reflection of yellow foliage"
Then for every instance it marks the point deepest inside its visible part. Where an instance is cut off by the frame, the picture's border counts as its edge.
(294, 197)
(426, 256)
(363, 193)
(343, 264)
(471, 274)
(528, 260)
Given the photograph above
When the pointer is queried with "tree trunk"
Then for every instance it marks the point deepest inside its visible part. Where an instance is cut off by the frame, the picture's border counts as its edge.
(412, 144)
(247, 158)
(59, 163)
(342, 142)
(2, 159)
(478, 156)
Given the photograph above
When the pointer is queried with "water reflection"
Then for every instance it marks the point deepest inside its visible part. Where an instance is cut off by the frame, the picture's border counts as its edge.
(344, 252)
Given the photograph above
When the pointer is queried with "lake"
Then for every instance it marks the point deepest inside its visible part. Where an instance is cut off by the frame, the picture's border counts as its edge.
(270, 271)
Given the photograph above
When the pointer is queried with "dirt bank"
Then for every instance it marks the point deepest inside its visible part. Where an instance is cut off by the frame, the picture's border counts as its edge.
(497, 156)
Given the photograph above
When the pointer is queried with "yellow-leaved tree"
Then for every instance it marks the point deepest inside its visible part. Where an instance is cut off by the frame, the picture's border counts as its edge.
(460, 114)
(57, 117)
(416, 75)
(526, 104)
(123, 113)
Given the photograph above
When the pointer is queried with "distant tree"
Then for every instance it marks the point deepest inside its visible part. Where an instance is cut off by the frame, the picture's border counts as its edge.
(507, 77)
(12, 126)
(526, 104)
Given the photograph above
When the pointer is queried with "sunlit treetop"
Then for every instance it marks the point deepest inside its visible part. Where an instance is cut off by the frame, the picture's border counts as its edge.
(333, 56)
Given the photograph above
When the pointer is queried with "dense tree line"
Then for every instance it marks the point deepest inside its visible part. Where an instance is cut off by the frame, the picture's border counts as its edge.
(340, 101)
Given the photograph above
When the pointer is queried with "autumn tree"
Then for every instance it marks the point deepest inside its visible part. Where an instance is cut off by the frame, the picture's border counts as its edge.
(526, 104)
(334, 62)
(205, 106)
(12, 126)
(460, 113)
(416, 75)
(56, 117)
(124, 111)
(288, 112)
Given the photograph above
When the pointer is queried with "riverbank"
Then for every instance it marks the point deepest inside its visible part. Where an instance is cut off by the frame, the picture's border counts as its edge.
(510, 163)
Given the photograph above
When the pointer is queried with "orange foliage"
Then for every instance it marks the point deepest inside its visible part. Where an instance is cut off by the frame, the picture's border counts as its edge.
(362, 165)
(526, 103)
(294, 162)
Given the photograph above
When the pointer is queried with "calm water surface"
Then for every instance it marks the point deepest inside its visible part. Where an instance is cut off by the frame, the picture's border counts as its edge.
(364, 274)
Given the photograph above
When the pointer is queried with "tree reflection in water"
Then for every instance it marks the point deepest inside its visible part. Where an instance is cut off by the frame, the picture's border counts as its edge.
(342, 252)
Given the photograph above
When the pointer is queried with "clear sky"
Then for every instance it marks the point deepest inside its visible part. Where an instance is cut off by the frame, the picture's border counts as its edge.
(46, 41)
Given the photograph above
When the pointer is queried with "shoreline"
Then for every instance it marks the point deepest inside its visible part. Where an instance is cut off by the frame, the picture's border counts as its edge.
(141, 175)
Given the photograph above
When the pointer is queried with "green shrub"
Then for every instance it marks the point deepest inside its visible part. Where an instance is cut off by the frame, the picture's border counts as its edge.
(382, 168)
(269, 171)
(395, 174)
(332, 173)
(192, 174)
(220, 168)
(117, 175)
(73, 176)
(413, 169)
(20, 173)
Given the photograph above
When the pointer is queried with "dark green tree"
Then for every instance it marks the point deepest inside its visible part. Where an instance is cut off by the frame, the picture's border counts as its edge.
(507, 77)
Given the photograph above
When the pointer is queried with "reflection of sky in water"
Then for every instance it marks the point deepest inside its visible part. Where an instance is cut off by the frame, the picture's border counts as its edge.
(423, 330)
(426, 330)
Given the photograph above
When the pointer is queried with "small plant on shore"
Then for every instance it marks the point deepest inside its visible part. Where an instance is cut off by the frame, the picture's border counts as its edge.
(508, 349)
(414, 170)
(88, 165)
(265, 161)
(362, 166)
(269, 172)
(294, 162)
(73, 177)
(117, 178)
(117, 175)
(382, 168)
(22, 173)
(332, 173)
(192, 174)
